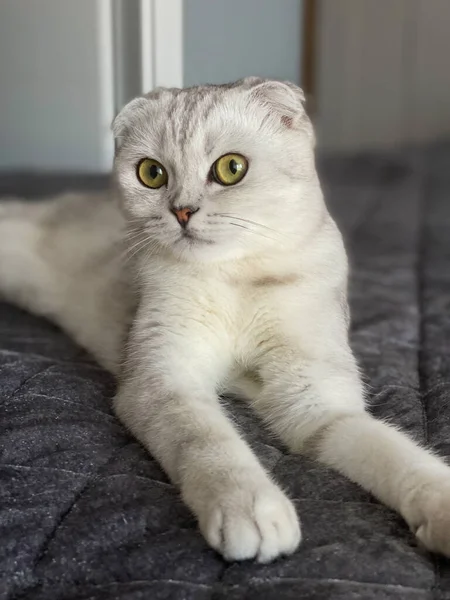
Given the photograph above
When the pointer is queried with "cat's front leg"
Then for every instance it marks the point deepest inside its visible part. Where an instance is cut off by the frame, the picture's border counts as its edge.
(168, 400)
(316, 406)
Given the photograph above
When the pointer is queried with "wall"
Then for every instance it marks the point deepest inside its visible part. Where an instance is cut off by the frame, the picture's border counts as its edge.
(383, 78)
(224, 41)
(61, 79)
(54, 70)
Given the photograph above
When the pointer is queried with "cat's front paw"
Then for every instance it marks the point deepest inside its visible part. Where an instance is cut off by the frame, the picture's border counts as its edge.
(432, 522)
(250, 520)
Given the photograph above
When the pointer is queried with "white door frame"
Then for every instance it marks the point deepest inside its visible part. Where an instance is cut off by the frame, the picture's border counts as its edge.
(161, 30)
(140, 47)
(106, 81)
(148, 44)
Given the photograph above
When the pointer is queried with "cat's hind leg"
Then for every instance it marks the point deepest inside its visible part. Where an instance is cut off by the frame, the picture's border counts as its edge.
(26, 278)
(61, 258)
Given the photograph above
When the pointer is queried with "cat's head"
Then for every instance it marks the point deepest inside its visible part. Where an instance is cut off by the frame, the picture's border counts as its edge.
(217, 172)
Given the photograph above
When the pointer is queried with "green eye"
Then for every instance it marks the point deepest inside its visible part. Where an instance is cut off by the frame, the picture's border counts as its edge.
(151, 173)
(229, 169)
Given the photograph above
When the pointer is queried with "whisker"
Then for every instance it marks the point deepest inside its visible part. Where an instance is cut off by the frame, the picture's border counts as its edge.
(135, 249)
(146, 229)
(253, 231)
(140, 219)
(131, 235)
(231, 216)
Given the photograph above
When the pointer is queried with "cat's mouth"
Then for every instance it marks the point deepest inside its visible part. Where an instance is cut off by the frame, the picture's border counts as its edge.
(192, 238)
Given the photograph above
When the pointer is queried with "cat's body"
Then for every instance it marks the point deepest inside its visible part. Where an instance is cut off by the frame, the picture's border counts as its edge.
(223, 288)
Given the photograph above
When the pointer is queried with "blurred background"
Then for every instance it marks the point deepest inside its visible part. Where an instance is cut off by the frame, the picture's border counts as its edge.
(375, 71)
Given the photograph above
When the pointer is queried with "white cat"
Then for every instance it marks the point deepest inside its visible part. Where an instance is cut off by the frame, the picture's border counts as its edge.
(233, 279)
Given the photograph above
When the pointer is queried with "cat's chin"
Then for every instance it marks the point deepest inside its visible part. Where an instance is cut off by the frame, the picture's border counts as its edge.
(196, 250)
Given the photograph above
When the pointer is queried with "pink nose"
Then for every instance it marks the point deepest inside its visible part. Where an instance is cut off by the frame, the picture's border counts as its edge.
(183, 214)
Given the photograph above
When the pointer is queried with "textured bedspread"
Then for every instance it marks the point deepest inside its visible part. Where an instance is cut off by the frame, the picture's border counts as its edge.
(85, 513)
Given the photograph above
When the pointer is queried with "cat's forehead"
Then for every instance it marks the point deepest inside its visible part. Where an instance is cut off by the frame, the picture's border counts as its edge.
(187, 124)
(198, 106)
(199, 117)
(198, 97)
(195, 105)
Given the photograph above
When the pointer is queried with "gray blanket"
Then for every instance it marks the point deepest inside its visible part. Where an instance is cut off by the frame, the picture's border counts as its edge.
(86, 513)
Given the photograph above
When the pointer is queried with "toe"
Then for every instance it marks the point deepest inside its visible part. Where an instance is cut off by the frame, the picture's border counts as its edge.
(241, 538)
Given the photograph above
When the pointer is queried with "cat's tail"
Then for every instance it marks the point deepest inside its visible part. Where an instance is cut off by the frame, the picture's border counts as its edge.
(25, 278)
(58, 260)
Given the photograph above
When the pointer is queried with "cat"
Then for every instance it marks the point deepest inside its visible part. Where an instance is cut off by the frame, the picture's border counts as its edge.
(212, 266)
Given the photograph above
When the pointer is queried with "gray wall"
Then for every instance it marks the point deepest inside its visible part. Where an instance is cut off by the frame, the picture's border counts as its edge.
(382, 91)
(228, 40)
(55, 104)
(51, 106)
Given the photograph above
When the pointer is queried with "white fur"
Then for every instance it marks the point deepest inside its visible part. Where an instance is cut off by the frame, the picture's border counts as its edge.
(258, 311)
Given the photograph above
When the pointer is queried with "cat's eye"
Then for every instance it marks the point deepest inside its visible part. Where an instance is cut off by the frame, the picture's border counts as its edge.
(229, 169)
(151, 173)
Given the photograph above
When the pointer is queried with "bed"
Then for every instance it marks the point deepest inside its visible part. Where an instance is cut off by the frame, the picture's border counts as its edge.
(86, 513)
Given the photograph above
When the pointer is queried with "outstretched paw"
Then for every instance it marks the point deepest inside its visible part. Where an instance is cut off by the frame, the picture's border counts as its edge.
(432, 524)
(251, 520)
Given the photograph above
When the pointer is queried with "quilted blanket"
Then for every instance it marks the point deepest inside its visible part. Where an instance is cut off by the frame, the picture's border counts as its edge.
(86, 513)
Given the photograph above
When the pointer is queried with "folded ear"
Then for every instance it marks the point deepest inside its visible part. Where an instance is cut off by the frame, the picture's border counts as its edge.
(127, 117)
(281, 97)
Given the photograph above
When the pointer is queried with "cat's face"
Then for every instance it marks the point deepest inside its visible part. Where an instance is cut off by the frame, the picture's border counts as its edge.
(216, 172)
